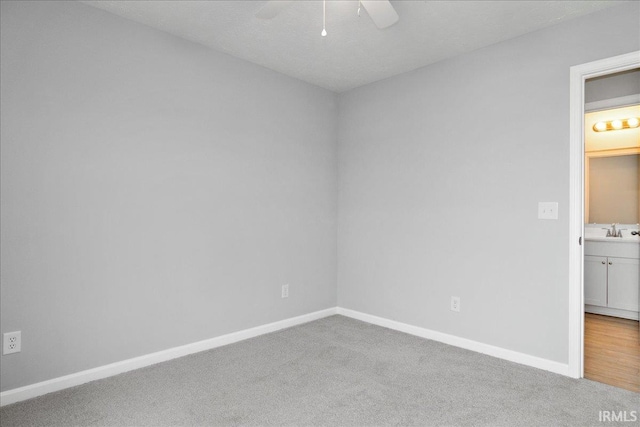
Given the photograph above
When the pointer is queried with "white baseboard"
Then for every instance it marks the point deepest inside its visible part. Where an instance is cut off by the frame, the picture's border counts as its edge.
(60, 383)
(606, 311)
(499, 352)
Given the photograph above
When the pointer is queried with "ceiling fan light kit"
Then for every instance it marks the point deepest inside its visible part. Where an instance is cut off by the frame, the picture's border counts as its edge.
(381, 12)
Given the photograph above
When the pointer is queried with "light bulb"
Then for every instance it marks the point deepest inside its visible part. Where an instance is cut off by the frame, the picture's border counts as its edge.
(633, 122)
(324, 33)
(616, 124)
(600, 126)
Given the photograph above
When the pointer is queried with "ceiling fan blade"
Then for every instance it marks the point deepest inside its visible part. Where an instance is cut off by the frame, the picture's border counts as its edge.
(272, 9)
(381, 12)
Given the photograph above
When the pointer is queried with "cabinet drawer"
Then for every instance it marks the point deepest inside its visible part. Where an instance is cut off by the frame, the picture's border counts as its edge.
(612, 249)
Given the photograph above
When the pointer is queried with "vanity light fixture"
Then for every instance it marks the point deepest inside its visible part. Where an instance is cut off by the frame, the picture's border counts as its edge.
(630, 123)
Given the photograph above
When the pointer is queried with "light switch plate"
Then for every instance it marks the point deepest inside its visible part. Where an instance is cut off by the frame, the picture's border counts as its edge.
(547, 210)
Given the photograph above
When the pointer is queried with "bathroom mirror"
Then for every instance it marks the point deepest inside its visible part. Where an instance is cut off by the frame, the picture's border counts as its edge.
(613, 187)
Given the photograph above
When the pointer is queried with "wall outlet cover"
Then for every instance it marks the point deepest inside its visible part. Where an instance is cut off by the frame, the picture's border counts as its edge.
(285, 291)
(11, 342)
(455, 304)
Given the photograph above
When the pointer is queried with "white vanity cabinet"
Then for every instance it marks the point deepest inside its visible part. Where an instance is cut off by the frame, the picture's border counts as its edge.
(612, 278)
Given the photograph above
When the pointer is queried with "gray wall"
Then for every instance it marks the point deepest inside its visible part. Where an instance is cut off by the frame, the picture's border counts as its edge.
(613, 189)
(441, 170)
(154, 193)
(612, 86)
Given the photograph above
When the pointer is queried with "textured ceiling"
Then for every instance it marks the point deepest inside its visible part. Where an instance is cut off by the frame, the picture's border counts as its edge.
(355, 52)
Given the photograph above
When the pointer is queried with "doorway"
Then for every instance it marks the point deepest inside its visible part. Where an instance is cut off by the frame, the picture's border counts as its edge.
(611, 241)
(578, 76)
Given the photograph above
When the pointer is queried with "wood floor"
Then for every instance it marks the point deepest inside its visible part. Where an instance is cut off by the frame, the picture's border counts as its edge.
(612, 351)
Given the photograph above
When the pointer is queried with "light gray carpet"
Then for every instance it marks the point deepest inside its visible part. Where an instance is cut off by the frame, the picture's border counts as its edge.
(335, 371)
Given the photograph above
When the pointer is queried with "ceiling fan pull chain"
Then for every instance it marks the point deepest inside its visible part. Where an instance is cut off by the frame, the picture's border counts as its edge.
(324, 18)
(359, 4)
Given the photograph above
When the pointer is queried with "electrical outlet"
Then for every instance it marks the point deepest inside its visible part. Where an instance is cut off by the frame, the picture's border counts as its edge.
(11, 342)
(285, 291)
(455, 303)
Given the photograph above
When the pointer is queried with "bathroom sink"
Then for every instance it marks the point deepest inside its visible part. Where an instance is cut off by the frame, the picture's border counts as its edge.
(599, 234)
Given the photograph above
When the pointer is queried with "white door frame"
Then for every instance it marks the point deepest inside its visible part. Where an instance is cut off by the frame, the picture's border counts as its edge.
(578, 75)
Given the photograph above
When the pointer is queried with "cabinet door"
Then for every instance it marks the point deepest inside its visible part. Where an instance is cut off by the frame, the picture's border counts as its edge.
(624, 280)
(595, 280)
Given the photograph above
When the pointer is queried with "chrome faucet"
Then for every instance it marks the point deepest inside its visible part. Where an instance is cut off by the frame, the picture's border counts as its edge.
(613, 232)
(609, 230)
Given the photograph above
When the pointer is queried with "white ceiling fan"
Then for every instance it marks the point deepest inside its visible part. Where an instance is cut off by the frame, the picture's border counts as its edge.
(381, 11)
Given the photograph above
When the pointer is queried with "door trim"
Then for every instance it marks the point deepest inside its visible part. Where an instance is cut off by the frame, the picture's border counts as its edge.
(578, 75)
